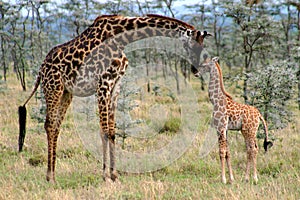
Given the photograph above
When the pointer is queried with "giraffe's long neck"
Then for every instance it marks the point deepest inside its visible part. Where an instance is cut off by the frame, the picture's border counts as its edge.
(217, 93)
(130, 29)
(124, 30)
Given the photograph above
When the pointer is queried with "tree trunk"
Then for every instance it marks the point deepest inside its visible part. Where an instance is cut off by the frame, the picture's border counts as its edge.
(147, 58)
(298, 77)
(247, 70)
(3, 57)
(177, 77)
(298, 74)
(3, 43)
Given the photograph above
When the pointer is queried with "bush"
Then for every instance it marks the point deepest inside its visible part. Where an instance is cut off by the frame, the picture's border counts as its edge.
(172, 125)
(271, 88)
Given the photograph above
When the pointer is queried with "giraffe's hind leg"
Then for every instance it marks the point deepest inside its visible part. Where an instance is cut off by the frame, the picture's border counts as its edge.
(252, 149)
(57, 105)
(52, 134)
(104, 139)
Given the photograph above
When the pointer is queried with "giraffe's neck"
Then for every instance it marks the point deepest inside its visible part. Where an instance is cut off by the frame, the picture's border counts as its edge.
(217, 93)
(125, 30)
(121, 31)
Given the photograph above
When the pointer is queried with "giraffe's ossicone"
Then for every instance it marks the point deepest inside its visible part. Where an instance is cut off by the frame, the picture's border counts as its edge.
(94, 62)
(230, 115)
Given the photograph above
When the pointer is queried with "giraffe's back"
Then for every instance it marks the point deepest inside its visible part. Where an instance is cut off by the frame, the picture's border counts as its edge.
(241, 116)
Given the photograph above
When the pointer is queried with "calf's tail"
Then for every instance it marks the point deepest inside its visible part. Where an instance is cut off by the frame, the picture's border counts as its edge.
(267, 143)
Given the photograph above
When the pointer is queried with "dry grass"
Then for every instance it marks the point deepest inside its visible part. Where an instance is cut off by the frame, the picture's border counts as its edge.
(190, 177)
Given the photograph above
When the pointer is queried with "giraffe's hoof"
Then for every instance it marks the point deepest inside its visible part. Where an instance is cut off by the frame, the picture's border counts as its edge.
(50, 178)
(105, 177)
(117, 181)
(224, 180)
(255, 180)
(114, 176)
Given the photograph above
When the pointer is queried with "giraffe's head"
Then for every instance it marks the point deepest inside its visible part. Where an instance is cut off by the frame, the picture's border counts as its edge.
(205, 66)
(194, 47)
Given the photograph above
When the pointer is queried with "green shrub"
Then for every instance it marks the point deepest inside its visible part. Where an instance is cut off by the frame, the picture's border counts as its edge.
(172, 125)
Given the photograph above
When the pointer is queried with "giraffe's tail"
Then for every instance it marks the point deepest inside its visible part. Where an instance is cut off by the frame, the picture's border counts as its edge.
(22, 115)
(267, 143)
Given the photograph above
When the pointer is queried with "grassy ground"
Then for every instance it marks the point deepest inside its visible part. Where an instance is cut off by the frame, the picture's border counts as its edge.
(78, 173)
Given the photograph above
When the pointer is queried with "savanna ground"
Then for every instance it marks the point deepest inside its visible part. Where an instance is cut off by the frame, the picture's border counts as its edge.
(78, 172)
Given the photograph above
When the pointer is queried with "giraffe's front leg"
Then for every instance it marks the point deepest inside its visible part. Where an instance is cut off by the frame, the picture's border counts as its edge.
(222, 153)
(103, 105)
(121, 64)
(220, 122)
(228, 161)
(252, 150)
(111, 122)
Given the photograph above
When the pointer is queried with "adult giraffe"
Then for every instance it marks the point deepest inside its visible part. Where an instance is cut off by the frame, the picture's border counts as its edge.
(94, 62)
(230, 115)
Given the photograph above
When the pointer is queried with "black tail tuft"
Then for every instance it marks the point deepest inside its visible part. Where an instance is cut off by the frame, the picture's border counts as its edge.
(22, 126)
(267, 144)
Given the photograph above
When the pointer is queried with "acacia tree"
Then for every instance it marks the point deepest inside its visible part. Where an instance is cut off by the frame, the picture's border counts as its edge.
(297, 43)
(77, 15)
(3, 39)
(271, 89)
(19, 36)
(255, 26)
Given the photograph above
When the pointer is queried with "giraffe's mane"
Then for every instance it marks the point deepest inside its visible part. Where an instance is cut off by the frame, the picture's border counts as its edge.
(221, 80)
(107, 16)
(172, 19)
(101, 17)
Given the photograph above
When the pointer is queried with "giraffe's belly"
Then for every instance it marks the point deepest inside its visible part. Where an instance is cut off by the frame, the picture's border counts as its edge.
(235, 124)
(82, 88)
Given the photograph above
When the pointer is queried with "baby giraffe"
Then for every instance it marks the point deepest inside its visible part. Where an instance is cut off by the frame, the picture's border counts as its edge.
(230, 115)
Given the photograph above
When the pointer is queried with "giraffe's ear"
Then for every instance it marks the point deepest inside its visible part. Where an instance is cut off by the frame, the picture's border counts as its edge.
(205, 34)
(201, 35)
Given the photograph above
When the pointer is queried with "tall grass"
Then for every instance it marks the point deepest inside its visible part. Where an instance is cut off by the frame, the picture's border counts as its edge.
(78, 173)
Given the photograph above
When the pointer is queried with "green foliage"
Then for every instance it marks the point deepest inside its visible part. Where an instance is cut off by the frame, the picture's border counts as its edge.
(272, 170)
(3, 85)
(39, 112)
(172, 125)
(37, 160)
(271, 89)
(126, 104)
